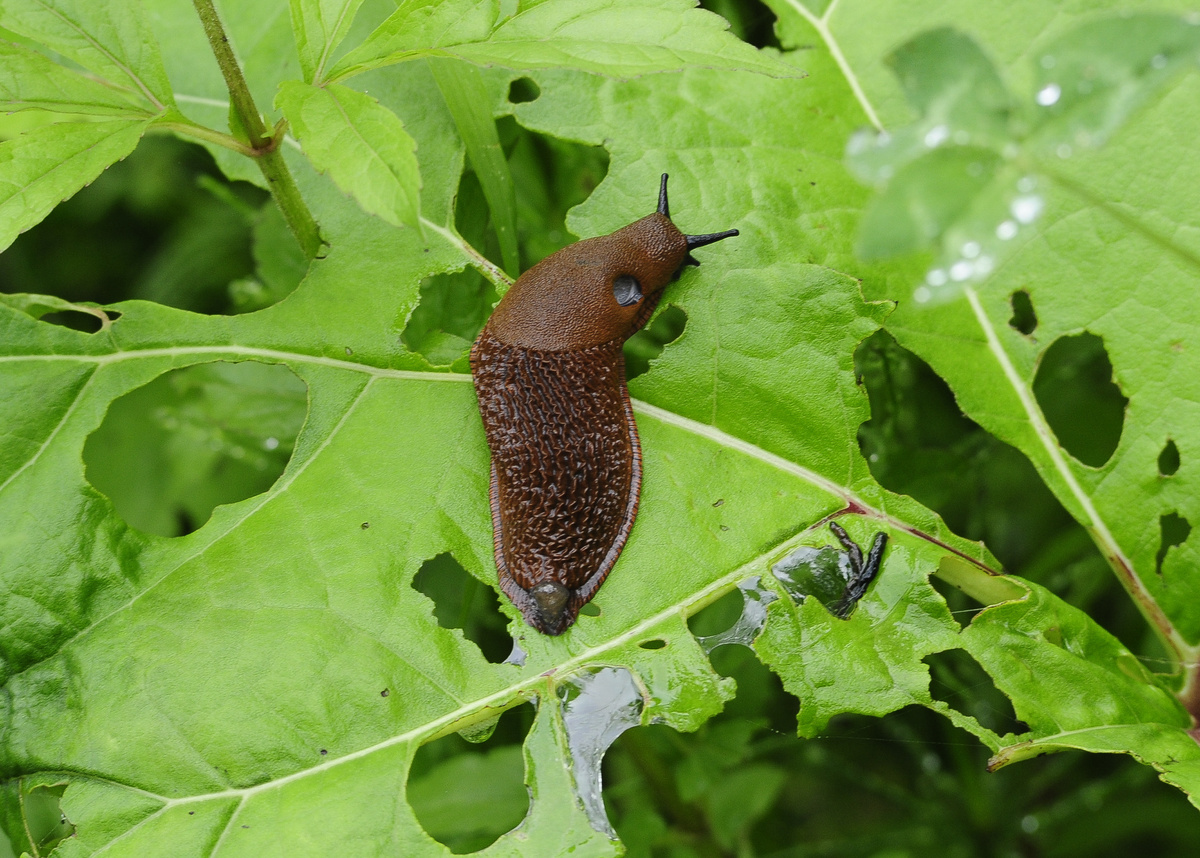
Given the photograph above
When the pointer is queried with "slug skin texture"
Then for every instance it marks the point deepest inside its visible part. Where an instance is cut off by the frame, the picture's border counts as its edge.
(549, 374)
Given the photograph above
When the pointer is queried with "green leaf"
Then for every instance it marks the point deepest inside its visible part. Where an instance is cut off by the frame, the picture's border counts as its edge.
(362, 145)
(111, 39)
(621, 40)
(1088, 82)
(320, 26)
(1091, 80)
(43, 167)
(470, 105)
(29, 79)
(133, 663)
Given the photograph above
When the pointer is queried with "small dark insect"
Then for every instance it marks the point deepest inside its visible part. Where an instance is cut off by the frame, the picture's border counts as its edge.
(862, 572)
(550, 378)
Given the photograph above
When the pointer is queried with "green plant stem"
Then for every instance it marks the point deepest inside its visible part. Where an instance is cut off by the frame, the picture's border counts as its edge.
(202, 132)
(263, 144)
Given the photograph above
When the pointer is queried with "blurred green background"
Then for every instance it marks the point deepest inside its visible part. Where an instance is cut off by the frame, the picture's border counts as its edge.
(164, 226)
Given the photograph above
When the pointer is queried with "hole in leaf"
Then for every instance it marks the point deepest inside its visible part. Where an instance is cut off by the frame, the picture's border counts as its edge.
(466, 795)
(1075, 389)
(56, 311)
(591, 609)
(739, 626)
(750, 20)
(648, 343)
(1175, 531)
(717, 617)
(597, 707)
(657, 643)
(161, 225)
(45, 822)
(960, 682)
(720, 781)
(918, 443)
(75, 320)
(523, 90)
(962, 607)
(172, 450)
(452, 311)
(550, 177)
(461, 601)
(1168, 459)
(1023, 318)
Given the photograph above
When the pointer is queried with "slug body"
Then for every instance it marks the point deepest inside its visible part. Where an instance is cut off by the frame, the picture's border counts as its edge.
(550, 378)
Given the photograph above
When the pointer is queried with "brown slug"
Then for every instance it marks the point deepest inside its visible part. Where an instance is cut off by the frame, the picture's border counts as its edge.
(550, 378)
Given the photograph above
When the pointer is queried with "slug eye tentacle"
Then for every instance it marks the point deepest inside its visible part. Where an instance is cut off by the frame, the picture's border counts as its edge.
(694, 241)
(627, 290)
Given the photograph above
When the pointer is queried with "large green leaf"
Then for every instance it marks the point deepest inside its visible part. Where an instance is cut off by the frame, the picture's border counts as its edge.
(261, 685)
(622, 39)
(111, 40)
(42, 167)
(1104, 255)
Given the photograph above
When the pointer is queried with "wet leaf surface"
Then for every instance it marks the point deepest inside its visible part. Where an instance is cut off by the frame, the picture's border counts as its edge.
(260, 686)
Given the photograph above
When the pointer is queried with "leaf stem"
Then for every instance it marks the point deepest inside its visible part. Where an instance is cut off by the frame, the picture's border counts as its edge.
(264, 145)
(203, 132)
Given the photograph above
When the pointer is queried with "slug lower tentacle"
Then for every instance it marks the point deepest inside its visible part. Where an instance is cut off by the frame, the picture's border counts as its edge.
(549, 374)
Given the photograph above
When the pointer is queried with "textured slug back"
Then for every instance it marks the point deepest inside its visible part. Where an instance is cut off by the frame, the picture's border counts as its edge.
(565, 461)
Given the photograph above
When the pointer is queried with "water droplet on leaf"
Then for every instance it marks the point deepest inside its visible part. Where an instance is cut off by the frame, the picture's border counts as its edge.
(1049, 94)
(936, 136)
(1026, 209)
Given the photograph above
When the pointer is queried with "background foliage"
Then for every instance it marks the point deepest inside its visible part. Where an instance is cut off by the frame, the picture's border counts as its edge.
(248, 599)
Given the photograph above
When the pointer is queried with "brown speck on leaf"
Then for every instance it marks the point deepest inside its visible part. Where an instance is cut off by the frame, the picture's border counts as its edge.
(323, 752)
(384, 693)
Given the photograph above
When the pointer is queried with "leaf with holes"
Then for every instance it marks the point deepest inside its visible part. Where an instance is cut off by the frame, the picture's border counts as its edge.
(1098, 412)
(260, 684)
